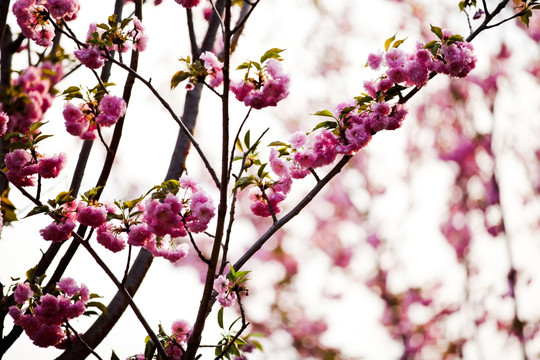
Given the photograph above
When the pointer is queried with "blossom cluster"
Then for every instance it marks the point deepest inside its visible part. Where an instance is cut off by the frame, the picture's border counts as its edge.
(34, 17)
(270, 86)
(103, 38)
(29, 97)
(355, 122)
(174, 344)
(22, 166)
(156, 225)
(223, 287)
(43, 318)
(83, 120)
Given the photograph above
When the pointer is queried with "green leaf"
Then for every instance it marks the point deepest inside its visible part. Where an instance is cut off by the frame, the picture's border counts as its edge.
(245, 65)
(63, 197)
(278, 143)
(30, 273)
(103, 26)
(461, 5)
(125, 22)
(389, 42)
(399, 42)
(326, 125)
(437, 31)
(526, 17)
(149, 349)
(36, 126)
(38, 210)
(243, 182)
(247, 140)
(260, 173)
(324, 113)
(41, 137)
(272, 54)
(179, 77)
(453, 38)
(112, 20)
(239, 145)
(220, 318)
(98, 305)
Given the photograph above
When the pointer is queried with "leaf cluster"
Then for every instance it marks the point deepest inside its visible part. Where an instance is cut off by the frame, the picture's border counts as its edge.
(113, 33)
(195, 72)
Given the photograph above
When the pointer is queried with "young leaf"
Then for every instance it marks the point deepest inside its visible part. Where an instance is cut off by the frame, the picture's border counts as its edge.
(271, 54)
(399, 42)
(278, 143)
(220, 318)
(437, 31)
(38, 210)
(149, 349)
(261, 174)
(389, 42)
(246, 140)
(99, 305)
(179, 77)
(324, 113)
(326, 124)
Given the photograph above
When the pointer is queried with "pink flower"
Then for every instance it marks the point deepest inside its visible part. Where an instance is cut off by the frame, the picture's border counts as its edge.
(188, 183)
(22, 293)
(51, 167)
(107, 237)
(140, 39)
(298, 139)
(374, 61)
(139, 235)
(58, 232)
(90, 57)
(4, 119)
(221, 285)
(93, 216)
(68, 286)
(278, 166)
(395, 58)
(63, 9)
(181, 330)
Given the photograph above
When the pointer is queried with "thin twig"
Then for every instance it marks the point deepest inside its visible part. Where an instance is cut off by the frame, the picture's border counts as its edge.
(80, 339)
(175, 118)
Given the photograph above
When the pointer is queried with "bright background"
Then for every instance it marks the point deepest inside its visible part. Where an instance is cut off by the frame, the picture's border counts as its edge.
(326, 49)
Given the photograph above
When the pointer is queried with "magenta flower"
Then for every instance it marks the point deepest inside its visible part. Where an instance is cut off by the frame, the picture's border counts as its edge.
(90, 57)
(22, 293)
(93, 216)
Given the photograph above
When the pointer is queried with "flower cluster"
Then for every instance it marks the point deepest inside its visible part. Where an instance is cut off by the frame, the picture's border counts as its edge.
(29, 97)
(47, 313)
(34, 17)
(269, 87)
(61, 229)
(214, 67)
(225, 296)
(157, 225)
(111, 37)
(82, 120)
(181, 331)
(22, 166)
(173, 217)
